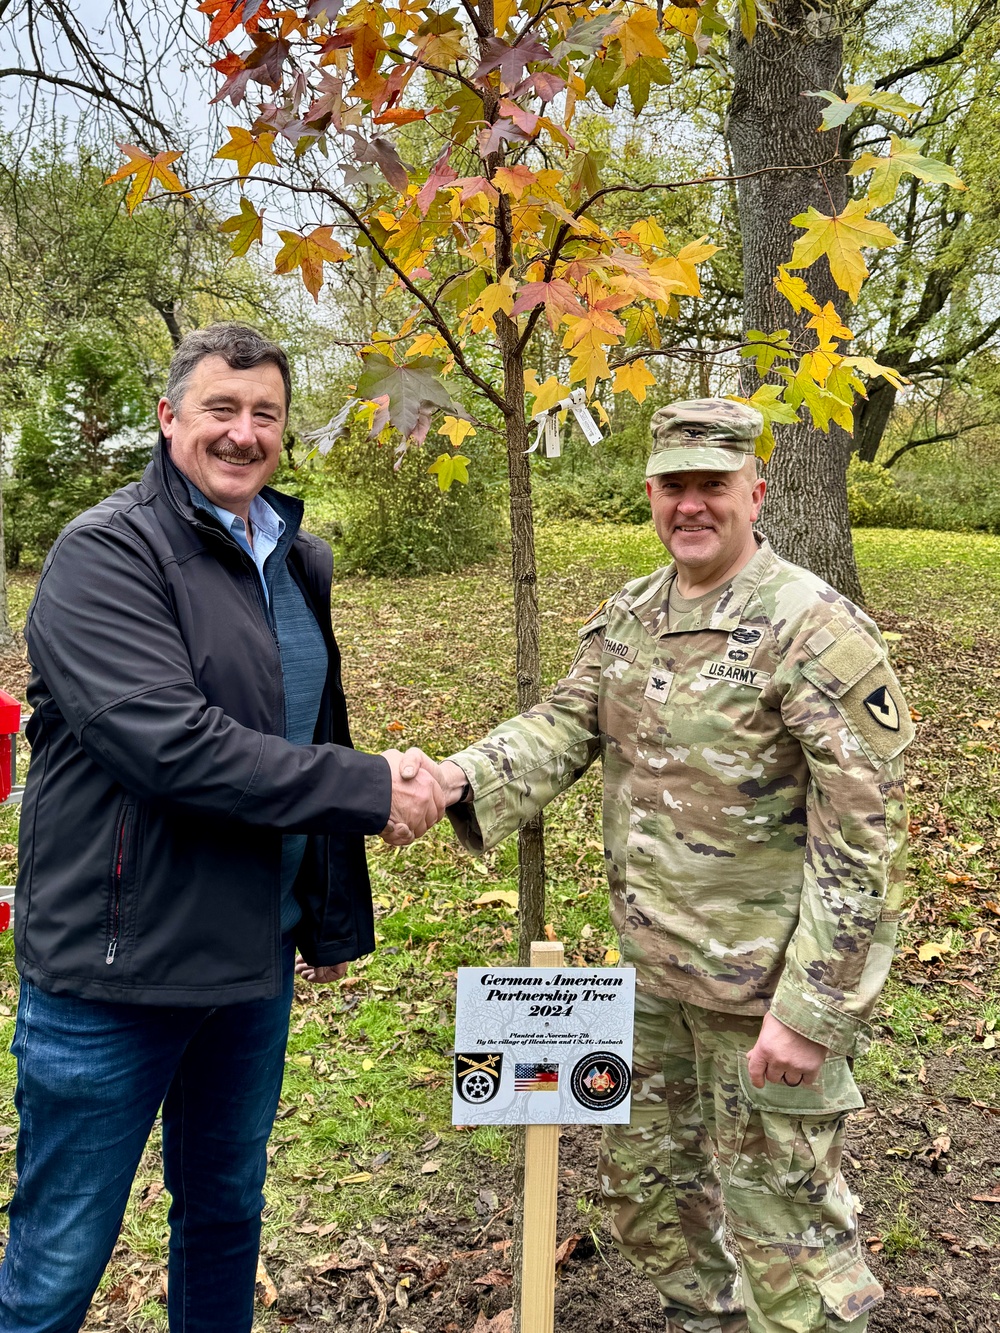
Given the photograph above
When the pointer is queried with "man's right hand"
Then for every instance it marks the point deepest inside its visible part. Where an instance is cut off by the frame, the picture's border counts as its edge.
(417, 799)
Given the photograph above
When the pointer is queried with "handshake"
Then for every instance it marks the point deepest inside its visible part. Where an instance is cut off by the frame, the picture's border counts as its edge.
(421, 792)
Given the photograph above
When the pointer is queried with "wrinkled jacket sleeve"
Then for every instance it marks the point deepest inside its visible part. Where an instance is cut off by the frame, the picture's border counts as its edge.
(102, 634)
(839, 955)
(522, 764)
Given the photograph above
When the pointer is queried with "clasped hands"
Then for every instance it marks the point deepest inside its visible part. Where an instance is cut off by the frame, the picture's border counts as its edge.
(421, 792)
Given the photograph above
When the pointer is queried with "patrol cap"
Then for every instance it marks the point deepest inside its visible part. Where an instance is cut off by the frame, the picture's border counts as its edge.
(703, 435)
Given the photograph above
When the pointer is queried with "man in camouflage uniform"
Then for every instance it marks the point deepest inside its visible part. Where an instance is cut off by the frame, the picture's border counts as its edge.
(751, 732)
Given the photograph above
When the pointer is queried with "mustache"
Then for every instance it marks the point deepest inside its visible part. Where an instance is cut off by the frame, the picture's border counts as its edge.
(252, 455)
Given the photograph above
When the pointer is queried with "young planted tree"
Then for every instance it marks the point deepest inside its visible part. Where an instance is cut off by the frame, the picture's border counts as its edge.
(441, 140)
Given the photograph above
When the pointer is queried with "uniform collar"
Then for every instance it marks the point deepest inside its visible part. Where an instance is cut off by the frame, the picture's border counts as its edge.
(651, 607)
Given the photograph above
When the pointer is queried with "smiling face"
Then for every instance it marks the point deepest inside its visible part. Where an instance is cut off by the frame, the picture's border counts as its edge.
(225, 434)
(705, 520)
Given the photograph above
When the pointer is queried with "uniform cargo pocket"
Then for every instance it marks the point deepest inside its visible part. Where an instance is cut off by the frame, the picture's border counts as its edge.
(850, 1292)
(789, 1139)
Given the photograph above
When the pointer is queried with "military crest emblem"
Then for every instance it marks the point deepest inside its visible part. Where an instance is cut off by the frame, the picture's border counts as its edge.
(477, 1076)
(600, 1081)
(882, 707)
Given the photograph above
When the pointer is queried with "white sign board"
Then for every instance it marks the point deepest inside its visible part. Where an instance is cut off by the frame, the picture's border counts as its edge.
(543, 1046)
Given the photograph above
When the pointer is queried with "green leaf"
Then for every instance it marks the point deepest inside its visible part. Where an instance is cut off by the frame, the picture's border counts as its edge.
(449, 468)
(643, 72)
(604, 76)
(861, 95)
(767, 347)
(904, 159)
(413, 389)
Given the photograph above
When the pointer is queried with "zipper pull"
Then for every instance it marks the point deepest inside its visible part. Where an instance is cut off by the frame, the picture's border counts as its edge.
(112, 950)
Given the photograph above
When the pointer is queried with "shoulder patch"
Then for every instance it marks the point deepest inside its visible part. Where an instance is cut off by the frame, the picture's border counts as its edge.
(596, 620)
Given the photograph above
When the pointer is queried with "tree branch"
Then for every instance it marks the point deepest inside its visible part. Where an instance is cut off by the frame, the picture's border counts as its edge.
(438, 320)
(932, 439)
(90, 90)
(951, 52)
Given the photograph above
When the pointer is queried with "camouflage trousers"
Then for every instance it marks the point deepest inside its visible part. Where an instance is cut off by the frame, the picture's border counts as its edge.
(705, 1149)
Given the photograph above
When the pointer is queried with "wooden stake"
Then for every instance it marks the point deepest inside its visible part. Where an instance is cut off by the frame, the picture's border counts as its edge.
(541, 1175)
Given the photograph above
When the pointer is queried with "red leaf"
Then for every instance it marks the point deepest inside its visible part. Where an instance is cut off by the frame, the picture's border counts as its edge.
(442, 174)
(509, 60)
(558, 296)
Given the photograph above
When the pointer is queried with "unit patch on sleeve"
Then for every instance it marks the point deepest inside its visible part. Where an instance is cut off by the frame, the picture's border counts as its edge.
(882, 707)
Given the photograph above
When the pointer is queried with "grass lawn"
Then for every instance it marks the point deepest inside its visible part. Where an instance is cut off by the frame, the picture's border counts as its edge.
(363, 1148)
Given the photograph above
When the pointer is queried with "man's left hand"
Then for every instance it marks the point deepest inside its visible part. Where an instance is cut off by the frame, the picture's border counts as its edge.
(783, 1056)
(319, 974)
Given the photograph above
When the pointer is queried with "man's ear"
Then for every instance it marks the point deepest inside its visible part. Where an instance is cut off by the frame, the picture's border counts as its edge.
(165, 415)
(757, 496)
(649, 490)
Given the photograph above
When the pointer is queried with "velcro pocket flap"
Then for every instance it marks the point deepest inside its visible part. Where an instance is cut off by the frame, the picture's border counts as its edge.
(840, 662)
(834, 1092)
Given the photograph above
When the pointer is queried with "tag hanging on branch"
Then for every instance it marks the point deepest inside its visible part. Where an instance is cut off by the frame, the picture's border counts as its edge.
(548, 424)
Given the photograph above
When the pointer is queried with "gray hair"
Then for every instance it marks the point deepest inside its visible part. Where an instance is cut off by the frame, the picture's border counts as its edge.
(241, 347)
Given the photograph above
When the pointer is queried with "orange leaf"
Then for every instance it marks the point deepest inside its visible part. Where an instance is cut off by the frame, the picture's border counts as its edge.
(145, 169)
(228, 14)
(401, 116)
(309, 253)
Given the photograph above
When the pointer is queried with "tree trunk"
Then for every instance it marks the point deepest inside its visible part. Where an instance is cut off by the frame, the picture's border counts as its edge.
(871, 416)
(531, 847)
(771, 124)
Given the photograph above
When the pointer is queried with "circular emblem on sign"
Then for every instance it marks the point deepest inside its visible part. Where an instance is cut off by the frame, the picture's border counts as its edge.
(600, 1081)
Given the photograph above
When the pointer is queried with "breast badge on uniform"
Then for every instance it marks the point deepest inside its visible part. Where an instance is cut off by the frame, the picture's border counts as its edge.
(477, 1076)
(882, 707)
(658, 685)
(748, 635)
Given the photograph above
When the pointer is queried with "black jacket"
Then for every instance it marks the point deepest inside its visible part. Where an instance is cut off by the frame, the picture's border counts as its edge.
(160, 780)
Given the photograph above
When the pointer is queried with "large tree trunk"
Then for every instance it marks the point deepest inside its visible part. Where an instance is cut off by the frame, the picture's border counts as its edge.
(771, 124)
(871, 416)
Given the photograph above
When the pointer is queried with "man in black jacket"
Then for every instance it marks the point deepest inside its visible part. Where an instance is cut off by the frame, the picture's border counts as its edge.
(193, 812)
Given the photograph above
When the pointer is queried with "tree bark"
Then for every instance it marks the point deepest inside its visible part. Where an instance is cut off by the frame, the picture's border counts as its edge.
(771, 124)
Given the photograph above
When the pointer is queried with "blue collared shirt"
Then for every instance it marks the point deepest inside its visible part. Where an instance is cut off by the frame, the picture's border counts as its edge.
(267, 530)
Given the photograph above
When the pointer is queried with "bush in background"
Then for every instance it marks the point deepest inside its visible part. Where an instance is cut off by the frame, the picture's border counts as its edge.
(874, 499)
(398, 522)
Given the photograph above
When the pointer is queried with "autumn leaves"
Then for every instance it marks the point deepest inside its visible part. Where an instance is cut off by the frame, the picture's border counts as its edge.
(503, 218)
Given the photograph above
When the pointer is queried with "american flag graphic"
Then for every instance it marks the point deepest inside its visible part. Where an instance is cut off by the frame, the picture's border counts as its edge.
(536, 1078)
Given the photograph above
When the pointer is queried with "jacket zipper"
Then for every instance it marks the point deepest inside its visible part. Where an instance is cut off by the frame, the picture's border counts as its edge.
(116, 896)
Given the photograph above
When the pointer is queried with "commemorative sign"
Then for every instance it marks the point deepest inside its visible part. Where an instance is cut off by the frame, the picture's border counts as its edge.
(543, 1046)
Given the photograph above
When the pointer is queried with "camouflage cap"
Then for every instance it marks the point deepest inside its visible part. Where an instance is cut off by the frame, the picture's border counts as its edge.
(703, 434)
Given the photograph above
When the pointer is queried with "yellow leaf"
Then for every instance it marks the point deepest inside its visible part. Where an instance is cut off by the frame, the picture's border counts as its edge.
(455, 430)
(426, 344)
(637, 37)
(496, 897)
(309, 253)
(931, 950)
(828, 327)
(546, 395)
(602, 416)
(247, 150)
(795, 291)
(503, 12)
(635, 378)
(841, 239)
(869, 366)
(248, 226)
(145, 169)
(612, 958)
(450, 468)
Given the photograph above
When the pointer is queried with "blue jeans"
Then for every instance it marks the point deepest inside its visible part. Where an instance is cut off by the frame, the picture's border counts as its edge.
(91, 1078)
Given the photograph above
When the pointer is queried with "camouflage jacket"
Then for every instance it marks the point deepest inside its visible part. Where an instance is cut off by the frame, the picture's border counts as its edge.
(754, 821)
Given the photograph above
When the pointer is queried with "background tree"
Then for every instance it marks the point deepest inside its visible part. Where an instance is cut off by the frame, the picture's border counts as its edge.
(510, 223)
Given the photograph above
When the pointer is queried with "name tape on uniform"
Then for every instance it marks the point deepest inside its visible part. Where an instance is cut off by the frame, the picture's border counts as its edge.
(624, 651)
(736, 674)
